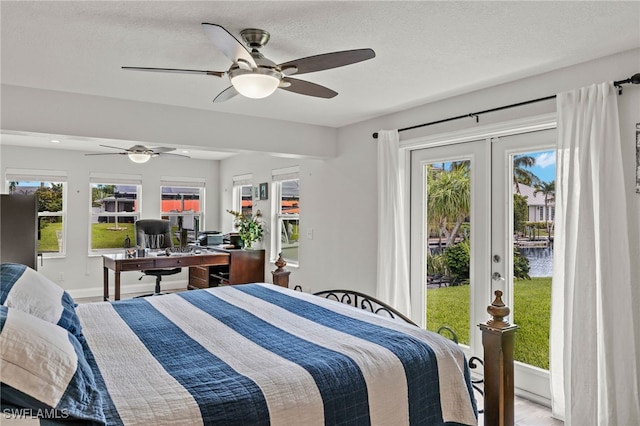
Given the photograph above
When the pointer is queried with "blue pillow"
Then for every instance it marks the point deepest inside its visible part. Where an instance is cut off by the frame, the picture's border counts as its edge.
(44, 370)
(29, 291)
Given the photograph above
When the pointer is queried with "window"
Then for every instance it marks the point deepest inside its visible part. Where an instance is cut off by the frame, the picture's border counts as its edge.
(50, 188)
(243, 194)
(182, 203)
(115, 207)
(286, 211)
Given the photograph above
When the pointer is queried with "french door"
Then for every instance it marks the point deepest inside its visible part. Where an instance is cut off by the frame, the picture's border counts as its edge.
(478, 225)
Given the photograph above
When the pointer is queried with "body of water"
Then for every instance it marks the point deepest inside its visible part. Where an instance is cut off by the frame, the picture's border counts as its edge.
(540, 260)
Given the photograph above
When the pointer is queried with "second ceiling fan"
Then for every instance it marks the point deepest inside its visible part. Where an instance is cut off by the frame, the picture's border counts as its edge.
(254, 76)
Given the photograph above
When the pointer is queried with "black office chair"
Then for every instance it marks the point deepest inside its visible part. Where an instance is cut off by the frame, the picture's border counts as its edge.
(155, 234)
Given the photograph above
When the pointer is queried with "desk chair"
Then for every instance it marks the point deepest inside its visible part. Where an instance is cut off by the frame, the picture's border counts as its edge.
(155, 234)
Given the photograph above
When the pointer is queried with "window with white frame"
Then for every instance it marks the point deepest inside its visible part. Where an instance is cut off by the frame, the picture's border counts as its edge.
(285, 214)
(50, 187)
(114, 209)
(243, 194)
(182, 203)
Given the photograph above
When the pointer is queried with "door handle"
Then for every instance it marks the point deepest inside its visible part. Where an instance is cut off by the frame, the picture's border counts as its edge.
(497, 277)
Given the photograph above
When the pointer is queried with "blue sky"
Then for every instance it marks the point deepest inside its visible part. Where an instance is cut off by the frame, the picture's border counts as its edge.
(545, 167)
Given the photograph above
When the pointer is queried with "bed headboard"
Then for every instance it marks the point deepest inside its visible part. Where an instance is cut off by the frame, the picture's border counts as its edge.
(363, 301)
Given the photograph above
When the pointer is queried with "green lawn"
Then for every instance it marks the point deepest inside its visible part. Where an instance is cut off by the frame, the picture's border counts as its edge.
(105, 236)
(48, 239)
(532, 299)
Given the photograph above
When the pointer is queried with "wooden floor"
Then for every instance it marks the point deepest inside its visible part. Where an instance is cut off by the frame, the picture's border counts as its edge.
(526, 413)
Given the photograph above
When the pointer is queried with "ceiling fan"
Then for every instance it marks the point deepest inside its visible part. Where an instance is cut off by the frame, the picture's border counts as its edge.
(140, 153)
(254, 76)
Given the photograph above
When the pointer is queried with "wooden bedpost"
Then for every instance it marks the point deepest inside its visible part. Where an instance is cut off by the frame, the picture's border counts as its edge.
(281, 275)
(497, 339)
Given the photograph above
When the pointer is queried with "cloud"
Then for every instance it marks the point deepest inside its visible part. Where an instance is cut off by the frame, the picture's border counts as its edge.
(546, 159)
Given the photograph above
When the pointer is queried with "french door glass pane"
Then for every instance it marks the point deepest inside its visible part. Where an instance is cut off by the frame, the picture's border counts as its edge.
(533, 227)
(448, 211)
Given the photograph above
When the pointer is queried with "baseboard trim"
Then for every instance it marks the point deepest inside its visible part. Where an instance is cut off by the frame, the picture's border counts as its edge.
(532, 397)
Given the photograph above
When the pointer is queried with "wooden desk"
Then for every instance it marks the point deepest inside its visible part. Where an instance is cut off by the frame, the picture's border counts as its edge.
(118, 262)
(245, 266)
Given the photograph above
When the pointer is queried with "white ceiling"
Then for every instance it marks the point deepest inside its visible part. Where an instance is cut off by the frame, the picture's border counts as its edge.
(425, 50)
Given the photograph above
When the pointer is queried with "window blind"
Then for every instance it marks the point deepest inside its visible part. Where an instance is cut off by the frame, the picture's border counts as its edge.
(289, 173)
(243, 180)
(115, 178)
(182, 181)
(30, 175)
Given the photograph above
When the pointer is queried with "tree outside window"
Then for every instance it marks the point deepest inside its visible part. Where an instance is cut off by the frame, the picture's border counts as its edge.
(51, 215)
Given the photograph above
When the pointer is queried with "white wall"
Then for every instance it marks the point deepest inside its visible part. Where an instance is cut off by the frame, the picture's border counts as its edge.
(81, 273)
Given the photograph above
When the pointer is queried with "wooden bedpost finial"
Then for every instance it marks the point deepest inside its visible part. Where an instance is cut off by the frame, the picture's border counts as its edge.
(280, 262)
(281, 275)
(498, 310)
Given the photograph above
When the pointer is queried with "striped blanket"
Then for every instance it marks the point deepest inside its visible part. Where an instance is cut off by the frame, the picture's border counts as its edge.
(258, 354)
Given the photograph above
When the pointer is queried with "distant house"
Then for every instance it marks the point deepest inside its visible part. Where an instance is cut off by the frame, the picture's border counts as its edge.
(124, 199)
(538, 212)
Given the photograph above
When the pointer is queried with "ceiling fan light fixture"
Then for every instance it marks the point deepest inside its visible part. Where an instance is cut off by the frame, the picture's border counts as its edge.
(256, 84)
(139, 157)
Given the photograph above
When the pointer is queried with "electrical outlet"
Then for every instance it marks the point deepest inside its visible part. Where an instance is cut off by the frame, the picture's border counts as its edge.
(310, 233)
(60, 276)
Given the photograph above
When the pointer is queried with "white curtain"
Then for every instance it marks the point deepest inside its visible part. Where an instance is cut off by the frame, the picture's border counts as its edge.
(594, 378)
(393, 285)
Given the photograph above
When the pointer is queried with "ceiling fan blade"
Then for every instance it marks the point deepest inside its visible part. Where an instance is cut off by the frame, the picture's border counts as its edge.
(161, 149)
(108, 153)
(307, 88)
(328, 60)
(225, 95)
(228, 44)
(173, 155)
(177, 70)
(114, 147)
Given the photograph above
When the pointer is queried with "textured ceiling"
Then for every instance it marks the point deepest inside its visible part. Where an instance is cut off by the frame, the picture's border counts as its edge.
(425, 51)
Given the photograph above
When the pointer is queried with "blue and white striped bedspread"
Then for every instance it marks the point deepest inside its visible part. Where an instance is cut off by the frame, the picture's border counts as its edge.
(258, 354)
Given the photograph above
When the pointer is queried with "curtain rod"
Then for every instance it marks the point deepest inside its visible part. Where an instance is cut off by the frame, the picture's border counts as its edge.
(634, 79)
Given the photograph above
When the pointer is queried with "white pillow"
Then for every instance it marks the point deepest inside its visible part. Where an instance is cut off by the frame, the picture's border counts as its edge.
(43, 367)
(29, 291)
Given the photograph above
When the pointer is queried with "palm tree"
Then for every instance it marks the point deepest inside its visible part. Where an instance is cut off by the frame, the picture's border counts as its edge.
(548, 189)
(448, 200)
(520, 172)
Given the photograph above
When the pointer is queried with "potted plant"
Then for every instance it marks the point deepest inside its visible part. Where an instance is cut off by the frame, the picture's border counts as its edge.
(249, 228)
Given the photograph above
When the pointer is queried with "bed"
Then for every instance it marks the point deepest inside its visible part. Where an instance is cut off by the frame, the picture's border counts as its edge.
(253, 354)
